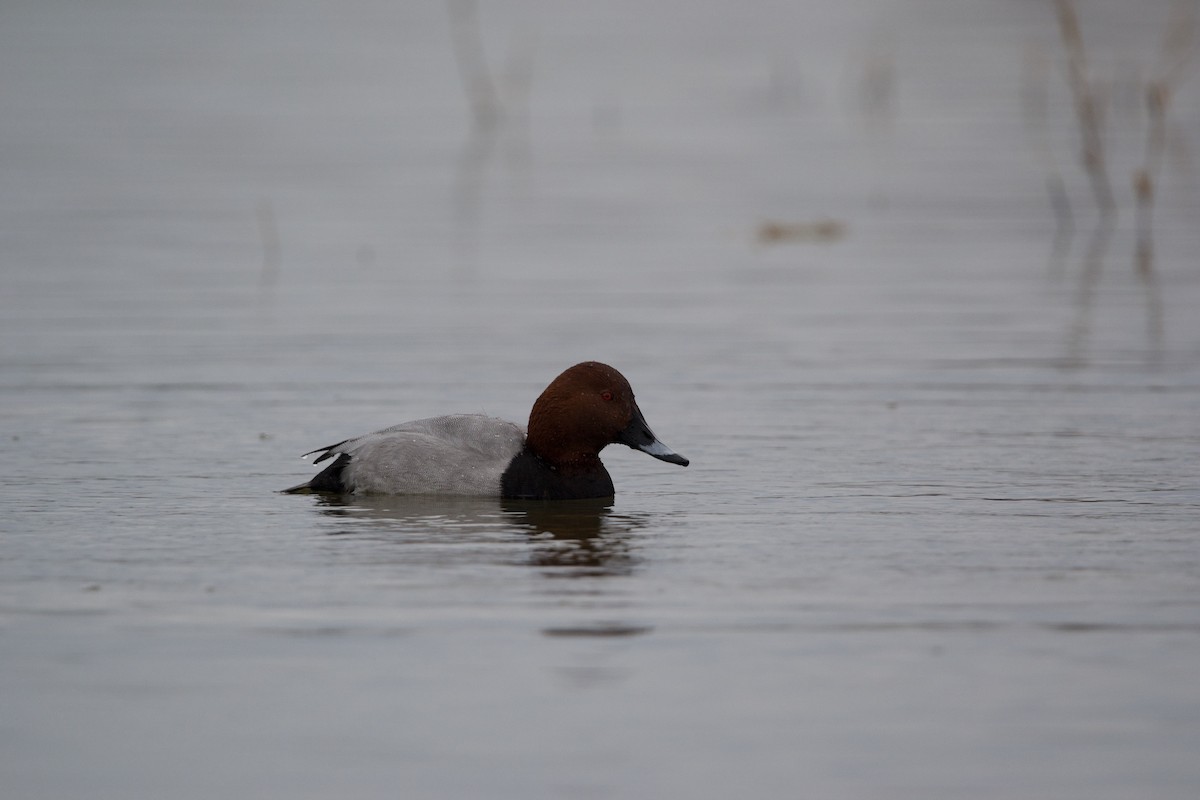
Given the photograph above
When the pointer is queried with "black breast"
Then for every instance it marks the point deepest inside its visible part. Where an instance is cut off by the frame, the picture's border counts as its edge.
(528, 477)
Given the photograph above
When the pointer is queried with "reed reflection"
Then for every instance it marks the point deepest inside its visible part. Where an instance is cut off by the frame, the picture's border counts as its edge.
(1091, 100)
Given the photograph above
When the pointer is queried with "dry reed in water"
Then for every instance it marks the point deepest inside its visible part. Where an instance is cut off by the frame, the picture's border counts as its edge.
(1088, 108)
(480, 89)
(1175, 58)
(1035, 96)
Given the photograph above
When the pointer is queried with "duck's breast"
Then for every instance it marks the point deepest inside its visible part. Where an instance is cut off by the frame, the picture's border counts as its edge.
(460, 454)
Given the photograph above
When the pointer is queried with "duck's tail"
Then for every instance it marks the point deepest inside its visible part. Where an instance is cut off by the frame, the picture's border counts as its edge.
(328, 480)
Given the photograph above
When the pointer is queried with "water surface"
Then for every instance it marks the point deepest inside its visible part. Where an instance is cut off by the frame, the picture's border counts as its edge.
(938, 537)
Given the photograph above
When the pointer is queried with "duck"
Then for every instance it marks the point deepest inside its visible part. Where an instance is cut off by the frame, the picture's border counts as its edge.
(556, 457)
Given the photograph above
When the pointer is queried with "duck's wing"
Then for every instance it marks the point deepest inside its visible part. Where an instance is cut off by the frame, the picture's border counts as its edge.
(455, 454)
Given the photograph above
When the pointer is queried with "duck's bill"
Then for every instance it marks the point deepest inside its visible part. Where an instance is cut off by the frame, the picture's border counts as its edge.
(661, 451)
(637, 434)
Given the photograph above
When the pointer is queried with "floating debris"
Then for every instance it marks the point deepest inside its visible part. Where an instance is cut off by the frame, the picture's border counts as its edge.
(825, 230)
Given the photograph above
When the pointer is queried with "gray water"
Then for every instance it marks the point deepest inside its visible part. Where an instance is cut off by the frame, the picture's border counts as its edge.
(939, 535)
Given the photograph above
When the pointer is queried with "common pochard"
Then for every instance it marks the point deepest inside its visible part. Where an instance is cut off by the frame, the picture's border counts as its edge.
(586, 408)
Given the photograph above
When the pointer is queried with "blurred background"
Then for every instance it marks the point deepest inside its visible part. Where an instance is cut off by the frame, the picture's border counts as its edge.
(913, 284)
(491, 180)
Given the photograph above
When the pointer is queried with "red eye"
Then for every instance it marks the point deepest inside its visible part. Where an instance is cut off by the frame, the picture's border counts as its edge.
(606, 394)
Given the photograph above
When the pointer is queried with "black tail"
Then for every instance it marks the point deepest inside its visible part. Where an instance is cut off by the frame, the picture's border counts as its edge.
(328, 480)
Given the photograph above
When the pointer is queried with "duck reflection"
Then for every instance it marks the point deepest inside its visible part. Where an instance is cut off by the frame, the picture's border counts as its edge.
(575, 538)
(404, 509)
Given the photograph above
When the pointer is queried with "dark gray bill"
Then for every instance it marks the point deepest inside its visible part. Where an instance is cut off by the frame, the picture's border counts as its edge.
(637, 434)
